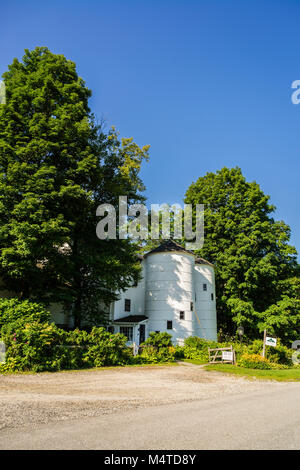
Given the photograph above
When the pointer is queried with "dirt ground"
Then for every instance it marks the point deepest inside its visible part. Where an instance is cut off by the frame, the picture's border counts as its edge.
(32, 399)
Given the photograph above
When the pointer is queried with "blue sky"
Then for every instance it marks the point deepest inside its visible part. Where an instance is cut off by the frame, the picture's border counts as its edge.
(206, 83)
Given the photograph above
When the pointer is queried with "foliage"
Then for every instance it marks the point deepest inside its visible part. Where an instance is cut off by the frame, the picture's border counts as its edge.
(33, 346)
(108, 349)
(14, 309)
(282, 319)
(37, 346)
(256, 361)
(56, 167)
(197, 349)
(159, 340)
(254, 264)
(157, 348)
(150, 354)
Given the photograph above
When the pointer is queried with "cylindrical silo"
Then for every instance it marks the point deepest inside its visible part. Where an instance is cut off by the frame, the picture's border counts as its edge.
(205, 320)
(170, 293)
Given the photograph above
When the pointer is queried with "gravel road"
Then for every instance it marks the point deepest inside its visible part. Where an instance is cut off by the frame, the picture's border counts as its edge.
(51, 410)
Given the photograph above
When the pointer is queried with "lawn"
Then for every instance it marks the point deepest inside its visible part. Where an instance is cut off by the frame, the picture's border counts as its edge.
(285, 375)
(195, 361)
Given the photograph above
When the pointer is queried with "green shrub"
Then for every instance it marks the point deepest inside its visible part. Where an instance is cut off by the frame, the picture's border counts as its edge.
(40, 347)
(33, 346)
(157, 348)
(107, 349)
(12, 310)
(159, 340)
(150, 354)
(254, 361)
(197, 348)
(179, 352)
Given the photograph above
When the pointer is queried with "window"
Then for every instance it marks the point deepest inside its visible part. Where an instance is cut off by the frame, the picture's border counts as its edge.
(204, 286)
(181, 315)
(192, 306)
(212, 296)
(169, 325)
(127, 331)
(127, 305)
(195, 297)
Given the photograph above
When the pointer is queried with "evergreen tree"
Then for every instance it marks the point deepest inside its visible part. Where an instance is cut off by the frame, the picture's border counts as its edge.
(56, 167)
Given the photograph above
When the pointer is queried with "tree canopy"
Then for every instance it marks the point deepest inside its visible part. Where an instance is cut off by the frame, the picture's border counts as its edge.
(256, 268)
(56, 166)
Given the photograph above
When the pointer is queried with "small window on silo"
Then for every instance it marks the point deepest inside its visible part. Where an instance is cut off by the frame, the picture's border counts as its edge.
(181, 315)
(204, 286)
(169, 325)
(212, 296)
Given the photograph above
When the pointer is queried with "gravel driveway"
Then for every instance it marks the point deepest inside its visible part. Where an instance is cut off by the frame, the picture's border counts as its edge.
(34, 399)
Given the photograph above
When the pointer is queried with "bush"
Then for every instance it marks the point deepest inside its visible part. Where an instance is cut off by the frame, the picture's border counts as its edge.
(197, 348)
(40, 347)
(254, 361)
(33, 346)
(159, 340)
(107, 349)
(157, 348)
(152, 355)
(12, 310)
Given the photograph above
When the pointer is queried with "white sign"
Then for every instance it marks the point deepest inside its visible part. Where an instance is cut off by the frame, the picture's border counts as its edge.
(135, 349)
(2, 352)
(227, 355)
(271, 341)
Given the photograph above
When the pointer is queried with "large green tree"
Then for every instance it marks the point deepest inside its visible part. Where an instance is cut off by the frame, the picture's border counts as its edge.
(253, 260)
(56, 167)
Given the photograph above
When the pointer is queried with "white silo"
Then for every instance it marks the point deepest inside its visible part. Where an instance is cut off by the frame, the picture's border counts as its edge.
(170, 296)
(205, 319)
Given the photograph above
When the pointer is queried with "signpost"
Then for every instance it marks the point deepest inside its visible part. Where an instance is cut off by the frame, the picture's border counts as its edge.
(271, 341)
(268, 341)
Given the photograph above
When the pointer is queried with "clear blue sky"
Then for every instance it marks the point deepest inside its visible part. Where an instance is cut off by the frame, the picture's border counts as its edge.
(207, 83)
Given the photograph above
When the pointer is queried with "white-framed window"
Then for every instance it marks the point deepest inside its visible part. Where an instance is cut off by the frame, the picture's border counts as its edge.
(212, 296)
(204, 286)
(127, 331)
(127, 305)
(181, 315)
(169, 325)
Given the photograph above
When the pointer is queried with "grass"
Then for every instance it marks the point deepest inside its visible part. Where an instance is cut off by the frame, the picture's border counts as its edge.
(194, 361)
(284, 375)
(88, 369)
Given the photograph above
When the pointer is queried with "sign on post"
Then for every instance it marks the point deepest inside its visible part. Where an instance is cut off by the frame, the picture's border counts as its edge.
(227, 355)
(271, 341)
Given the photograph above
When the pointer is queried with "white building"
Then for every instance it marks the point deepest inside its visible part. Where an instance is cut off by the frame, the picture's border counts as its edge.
(176, 295)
